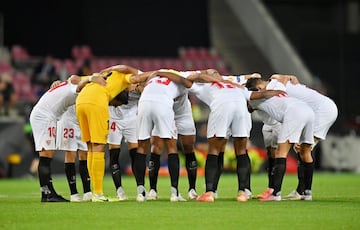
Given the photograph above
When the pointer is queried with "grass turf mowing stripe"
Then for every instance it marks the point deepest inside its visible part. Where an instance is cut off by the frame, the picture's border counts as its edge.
(336, 205)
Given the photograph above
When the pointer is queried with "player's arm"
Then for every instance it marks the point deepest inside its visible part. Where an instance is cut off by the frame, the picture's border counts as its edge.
(55, 83)
(204, 77)
(285, 78)
(265, 94)
(96, 78)
(141, 78)
(122, 68)
(208, 77)
(250, 108)
(173, 76)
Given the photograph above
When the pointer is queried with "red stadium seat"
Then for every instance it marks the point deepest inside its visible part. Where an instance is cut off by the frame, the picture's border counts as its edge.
(19, 53)
(23, 87)
(86, 52)
(5, 66)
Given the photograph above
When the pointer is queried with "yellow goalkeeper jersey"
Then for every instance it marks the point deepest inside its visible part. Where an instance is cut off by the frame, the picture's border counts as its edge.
(94, 93)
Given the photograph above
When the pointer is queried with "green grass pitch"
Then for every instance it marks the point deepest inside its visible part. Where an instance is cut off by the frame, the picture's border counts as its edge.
(335, 205)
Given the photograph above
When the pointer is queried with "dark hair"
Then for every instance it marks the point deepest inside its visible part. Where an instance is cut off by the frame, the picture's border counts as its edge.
(123, 97)
(251, 83)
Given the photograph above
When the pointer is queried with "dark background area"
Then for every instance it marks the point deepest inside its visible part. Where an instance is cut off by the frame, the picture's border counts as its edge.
(111, 28)
(319, 31)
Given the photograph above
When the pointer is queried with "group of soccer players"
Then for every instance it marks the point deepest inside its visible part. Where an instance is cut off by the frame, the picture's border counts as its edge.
(152, 109)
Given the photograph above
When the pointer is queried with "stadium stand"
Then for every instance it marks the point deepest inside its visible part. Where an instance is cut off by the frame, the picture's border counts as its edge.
(20, 65)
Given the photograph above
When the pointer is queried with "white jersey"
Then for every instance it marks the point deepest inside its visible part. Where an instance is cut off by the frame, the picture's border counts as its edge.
(228, 109)
(155, 109)
(47, 111)
(56, 100)
(128, 111)
(162, 90)
(68, 134)
(70, 115)
(324, 108)
(218, 92)
(122, 122)
(296, 117)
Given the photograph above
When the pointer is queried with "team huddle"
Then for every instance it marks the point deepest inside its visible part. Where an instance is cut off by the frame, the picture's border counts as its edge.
(151, 110)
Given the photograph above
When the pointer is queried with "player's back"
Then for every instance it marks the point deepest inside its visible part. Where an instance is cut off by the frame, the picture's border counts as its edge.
(97, 94)
(162, 89)
(217, 92)
(278, 106)
(56, 100)
(312, 97)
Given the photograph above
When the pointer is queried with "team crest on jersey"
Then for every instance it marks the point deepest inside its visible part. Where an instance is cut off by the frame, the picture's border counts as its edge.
(48, 142)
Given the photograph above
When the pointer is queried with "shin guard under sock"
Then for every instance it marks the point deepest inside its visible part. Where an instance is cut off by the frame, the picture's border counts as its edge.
(71, 177)
(301, 176)
(191, 168)
(89, 164)
(271, 162)
(278, 173)
(174, 169)
(211, 167)
(44, 173)
(243, 170)
(139, 168)
(132, 153)
(308, 175)
(115, 167)
(84, 174)
(154, 166)
(219, 171)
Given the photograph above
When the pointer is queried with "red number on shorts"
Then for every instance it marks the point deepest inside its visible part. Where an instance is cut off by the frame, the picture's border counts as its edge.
(69, 133)
(52, 131)
(113, 126)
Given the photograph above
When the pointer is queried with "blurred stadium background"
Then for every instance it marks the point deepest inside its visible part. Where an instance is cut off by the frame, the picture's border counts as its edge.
(316, 40)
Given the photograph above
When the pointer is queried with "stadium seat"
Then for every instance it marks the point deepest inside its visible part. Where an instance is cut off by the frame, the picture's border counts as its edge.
(76, 52)
(5, 66)
(70, 66)
(19, 53)
(86, 52)
(23, 87)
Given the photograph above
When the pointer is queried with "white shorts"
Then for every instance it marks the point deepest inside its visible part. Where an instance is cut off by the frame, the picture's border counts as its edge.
(183, 116)
(298, 126)
(68, 136)
(230, 116)
(185, 123)
(155, 119)
(119, 129)
(44, 131)
(325, 116)
(270, 134)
